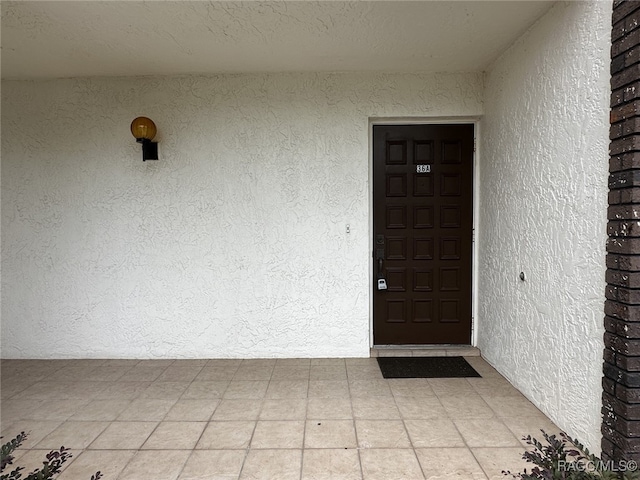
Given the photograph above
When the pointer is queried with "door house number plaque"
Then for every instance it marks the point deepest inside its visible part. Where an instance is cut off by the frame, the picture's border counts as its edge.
(423, 168)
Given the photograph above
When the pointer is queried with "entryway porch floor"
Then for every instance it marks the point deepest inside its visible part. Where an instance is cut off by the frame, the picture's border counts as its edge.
(264, 419)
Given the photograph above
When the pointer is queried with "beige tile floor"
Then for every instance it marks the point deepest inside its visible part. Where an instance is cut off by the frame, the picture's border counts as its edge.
(320, 419)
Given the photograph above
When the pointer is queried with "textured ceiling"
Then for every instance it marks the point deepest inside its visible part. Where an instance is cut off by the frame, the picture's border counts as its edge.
(87, 38)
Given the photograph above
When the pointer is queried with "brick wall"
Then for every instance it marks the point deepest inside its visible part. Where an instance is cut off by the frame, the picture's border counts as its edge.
(621, 382)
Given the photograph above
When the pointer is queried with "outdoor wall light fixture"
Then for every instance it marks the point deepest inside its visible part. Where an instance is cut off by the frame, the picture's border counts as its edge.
(143, 129)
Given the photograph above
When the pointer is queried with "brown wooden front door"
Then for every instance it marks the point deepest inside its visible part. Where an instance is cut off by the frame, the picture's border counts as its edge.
(423, 227)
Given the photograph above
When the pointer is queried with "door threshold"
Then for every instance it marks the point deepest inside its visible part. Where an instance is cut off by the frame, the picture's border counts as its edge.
(424, 351)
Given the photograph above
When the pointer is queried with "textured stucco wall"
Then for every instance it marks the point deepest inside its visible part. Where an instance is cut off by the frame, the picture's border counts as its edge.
(233, 244)
(543, 201)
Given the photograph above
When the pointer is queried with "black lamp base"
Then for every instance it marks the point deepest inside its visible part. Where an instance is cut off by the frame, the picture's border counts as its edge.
(149, 151)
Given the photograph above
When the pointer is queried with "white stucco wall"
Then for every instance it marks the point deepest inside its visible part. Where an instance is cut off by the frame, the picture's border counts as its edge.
(543, 200)
(233, 244)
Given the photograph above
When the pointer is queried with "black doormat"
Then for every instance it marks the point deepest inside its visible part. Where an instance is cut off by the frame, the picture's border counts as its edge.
(425, 367)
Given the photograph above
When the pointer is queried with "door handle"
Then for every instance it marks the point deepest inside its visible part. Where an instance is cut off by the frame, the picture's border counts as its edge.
(380, 258)
(382, 283)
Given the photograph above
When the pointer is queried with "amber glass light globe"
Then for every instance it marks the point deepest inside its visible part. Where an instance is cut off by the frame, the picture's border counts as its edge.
(143, 128)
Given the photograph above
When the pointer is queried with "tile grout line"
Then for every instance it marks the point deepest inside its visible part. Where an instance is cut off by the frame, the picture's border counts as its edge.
(255, 425)
(464, 440)
(406, 431)
(355, 429)
(140, 448)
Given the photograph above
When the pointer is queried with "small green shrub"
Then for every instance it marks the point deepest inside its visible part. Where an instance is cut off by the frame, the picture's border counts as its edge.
(50, 467)
(564, 458)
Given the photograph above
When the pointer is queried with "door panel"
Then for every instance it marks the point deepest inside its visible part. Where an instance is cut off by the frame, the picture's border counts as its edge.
(423, 222)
